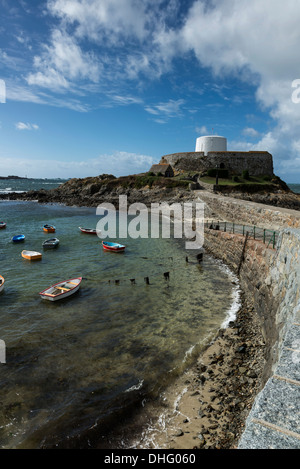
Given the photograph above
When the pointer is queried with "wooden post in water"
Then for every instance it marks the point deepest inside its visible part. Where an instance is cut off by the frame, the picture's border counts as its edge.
(243, 252)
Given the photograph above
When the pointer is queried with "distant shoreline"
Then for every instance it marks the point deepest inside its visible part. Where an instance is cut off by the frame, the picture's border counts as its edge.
(15, 177)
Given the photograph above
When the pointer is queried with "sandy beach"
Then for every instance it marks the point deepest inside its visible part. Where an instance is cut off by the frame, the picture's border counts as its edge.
(206, 408)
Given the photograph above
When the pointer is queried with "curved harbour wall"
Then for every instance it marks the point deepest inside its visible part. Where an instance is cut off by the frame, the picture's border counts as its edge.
(270, 279)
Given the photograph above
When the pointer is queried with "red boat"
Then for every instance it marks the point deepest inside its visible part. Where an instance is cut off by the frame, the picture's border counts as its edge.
(2, 225)
(88, 230)
(113, 247)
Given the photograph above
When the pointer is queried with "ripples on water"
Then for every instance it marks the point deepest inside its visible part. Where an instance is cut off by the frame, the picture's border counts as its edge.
(77, 368)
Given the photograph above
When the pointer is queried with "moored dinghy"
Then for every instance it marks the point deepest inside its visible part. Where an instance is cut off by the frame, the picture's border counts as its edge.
(18, 238)
(51, 243)
(89, 230)
(113, 247)
(1, 283)
(61, 290)
(32, 255)
(49, 228)
(2, 225)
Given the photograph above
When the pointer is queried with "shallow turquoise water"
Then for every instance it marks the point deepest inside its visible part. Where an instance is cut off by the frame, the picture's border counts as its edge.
(75, 369)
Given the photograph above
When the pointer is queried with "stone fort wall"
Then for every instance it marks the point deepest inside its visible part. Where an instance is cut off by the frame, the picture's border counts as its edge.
(256, 162)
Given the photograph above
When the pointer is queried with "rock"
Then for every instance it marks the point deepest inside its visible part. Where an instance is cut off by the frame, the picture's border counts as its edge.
(242, 349)
(178, 433)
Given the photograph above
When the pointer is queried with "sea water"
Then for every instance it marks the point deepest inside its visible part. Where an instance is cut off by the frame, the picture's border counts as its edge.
(8, 186)
(295, 187)
(79, 370)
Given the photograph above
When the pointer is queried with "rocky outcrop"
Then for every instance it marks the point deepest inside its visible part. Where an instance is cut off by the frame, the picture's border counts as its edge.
(92, 191)
(147, 189)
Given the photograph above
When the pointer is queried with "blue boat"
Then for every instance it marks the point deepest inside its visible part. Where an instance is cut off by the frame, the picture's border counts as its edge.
(18, 238)
(113, 247)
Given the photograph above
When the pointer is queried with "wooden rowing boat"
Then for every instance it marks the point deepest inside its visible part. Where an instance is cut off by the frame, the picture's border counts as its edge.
(51, 243)
(113, 247)
(61, 290)
(32, 255)
(88, 230)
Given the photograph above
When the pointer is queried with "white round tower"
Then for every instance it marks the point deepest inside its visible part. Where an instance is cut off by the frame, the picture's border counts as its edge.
(211, 143)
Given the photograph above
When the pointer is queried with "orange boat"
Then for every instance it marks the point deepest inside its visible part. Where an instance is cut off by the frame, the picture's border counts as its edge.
(49, 228)
(32, 255)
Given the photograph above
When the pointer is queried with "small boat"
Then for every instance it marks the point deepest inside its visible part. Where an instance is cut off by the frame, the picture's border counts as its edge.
(18, 238)
(2, 225)
(88, 230)
(61, 290)
(49, 228)
(51, 243)
(32, 255)
(1, 283)
(113, 247)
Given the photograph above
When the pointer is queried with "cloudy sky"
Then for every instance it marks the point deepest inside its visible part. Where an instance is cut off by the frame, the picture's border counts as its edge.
(109, 86)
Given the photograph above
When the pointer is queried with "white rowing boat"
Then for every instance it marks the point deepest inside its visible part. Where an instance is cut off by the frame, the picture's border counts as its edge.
(32, 255)
(61, 290)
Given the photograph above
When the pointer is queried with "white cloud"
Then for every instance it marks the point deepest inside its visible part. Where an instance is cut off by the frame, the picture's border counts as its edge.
(119, 163)
(170, 108)
(250, 132)
(132, 35)
(26, 126)
(97, 19)
(62, 62)
(202, 130)
(126, 100)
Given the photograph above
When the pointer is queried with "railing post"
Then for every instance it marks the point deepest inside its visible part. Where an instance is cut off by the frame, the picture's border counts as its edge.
(264, 236)
(254, 232)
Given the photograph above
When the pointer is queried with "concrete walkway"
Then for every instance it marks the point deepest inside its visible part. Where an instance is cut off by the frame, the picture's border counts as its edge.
(273, 422)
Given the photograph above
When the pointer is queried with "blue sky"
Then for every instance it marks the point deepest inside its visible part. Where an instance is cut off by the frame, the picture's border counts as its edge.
(109, 86)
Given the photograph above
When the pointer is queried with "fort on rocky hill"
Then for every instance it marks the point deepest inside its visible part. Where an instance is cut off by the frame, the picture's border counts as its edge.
(211, 154)
(257, 163)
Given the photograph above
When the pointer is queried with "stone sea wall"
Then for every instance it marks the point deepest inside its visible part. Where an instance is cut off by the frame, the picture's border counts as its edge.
(270, 279)
(250, 213)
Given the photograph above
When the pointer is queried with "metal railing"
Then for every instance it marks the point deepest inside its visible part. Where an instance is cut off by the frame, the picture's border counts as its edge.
(267, 236)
